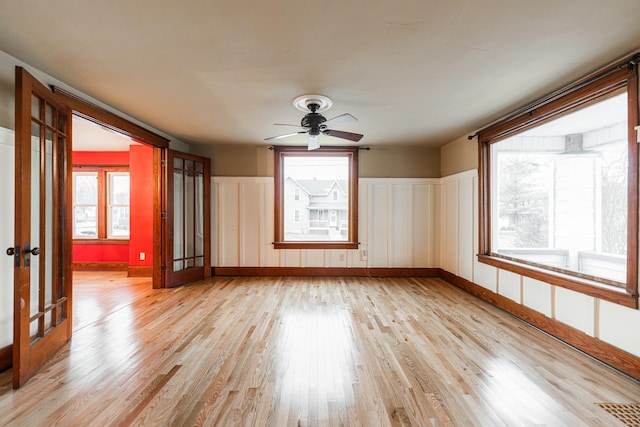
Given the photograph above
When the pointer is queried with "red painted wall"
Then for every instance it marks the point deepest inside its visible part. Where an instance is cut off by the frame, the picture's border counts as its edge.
(140, 162)
(141, 216)
(100, 253)
(112, 158)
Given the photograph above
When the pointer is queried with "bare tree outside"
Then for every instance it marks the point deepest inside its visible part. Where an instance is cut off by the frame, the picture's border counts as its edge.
(524, 200)
(614, 204)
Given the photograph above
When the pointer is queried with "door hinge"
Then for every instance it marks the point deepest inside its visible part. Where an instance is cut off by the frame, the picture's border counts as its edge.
(164, 267)
(163, 215)
(163, 163)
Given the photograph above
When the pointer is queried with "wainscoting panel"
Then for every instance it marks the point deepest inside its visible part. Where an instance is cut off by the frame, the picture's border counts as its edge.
(401, 230)
(250, 229)
(397, 226)
(270, 256)
(422, 226)
(378, 225)
(451, 227)
(228, 224)
(466, 229)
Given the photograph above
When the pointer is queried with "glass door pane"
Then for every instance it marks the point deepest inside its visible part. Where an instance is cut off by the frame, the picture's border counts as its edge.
(187, 206)
(178, 215)
(46, 207)
(199, 226)
(34, 306)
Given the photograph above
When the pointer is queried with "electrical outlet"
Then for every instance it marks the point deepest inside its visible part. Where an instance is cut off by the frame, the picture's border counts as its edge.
(363, 255)
(142, 256)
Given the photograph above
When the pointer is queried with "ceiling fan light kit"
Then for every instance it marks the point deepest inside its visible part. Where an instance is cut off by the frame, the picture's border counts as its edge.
(314, 123)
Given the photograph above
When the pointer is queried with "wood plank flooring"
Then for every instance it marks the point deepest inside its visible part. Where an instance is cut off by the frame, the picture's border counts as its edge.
(307, 352)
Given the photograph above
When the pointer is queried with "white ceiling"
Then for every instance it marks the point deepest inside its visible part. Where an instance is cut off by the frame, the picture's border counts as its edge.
(413, 72)
(88, 136)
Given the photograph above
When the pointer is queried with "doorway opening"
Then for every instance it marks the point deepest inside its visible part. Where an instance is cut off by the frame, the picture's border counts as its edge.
(112, 219)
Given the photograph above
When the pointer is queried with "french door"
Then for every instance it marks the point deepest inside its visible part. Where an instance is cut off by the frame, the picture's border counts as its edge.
(187, 253)
(42, 248)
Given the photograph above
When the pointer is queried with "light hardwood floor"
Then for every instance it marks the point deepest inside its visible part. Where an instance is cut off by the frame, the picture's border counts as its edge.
(304, 352)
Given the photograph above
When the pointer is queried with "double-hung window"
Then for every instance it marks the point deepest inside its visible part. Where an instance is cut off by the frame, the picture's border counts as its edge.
(100, 203)
(321, 219)
(559, 188)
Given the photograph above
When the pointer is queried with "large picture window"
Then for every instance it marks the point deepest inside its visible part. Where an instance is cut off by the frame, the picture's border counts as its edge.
(316, 195)
(556, 181)
(101, 203)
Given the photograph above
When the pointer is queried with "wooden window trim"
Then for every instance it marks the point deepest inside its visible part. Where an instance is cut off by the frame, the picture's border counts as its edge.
(284, 151)
(619, 77)
(102, 205)
(100, 241)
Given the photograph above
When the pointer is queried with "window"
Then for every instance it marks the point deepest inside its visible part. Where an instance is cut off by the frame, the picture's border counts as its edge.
(100, 203)
(555, 180)
(118, 205)
(312, 221)
(85, 205)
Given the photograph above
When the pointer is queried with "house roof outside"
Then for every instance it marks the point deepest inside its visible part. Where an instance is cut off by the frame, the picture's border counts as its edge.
(322, 187)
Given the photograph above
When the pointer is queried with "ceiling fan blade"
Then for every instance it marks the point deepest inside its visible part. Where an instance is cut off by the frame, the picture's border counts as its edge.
(344, 135)
(342, 118)
(287, 124)
(314, 142)
(284, 136)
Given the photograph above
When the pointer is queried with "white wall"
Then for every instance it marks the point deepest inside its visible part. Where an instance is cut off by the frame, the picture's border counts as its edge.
(7, 178)
(403, 233)
(600, 319)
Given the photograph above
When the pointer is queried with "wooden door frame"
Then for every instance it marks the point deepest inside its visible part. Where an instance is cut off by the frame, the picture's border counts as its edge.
(160, 144)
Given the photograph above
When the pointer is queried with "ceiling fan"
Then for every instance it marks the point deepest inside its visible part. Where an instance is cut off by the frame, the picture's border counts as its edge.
(314, 123)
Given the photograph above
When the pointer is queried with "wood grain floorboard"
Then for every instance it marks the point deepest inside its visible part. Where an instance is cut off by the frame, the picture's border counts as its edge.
(306, 351)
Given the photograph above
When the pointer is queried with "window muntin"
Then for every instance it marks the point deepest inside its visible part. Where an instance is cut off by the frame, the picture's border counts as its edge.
(560, 192)
(605, 84)
(321, 219)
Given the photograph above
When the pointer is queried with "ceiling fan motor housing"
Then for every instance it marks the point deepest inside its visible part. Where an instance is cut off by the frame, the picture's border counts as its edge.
(313, 121)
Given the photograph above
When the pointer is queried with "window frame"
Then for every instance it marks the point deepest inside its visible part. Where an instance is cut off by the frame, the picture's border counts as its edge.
(281, 152)
(619, 77)
(103, 204)
(109, 175)
(75, 175)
